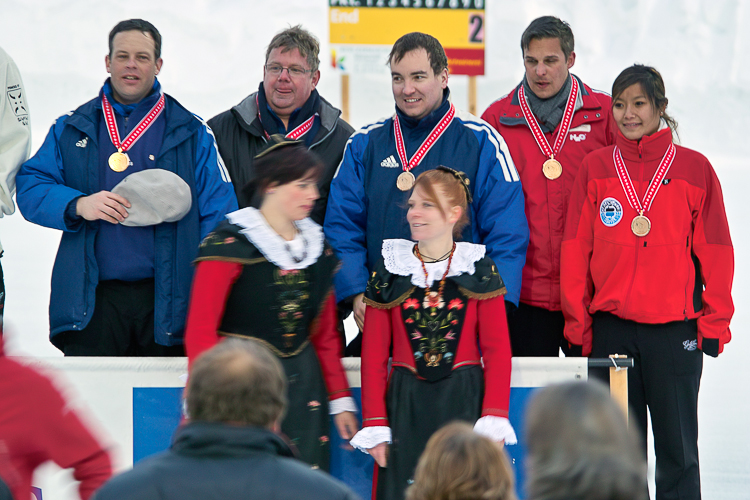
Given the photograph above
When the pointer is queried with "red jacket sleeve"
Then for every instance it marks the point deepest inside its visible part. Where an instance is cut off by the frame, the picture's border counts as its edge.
(712, 246)
(70, 444)
(576, 285)
(326, 340)
(494, 342)
(211, 286)
(376, 348)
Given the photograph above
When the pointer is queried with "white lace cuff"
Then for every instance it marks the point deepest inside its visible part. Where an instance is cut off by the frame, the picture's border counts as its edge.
(341, 405)
(370, 437)
(496, 428)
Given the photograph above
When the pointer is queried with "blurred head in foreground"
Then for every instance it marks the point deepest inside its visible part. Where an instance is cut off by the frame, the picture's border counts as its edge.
(237, 382)
(580, 447)
(460, 464)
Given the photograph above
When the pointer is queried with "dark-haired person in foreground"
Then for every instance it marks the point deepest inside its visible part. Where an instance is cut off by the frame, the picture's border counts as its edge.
(580, 447)
(229, 447)
(266, 273)
(368, 198)
(647, 269)
(550, 121)
(121, 279)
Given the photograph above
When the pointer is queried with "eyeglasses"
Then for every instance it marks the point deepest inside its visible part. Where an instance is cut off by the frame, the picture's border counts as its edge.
(294, 71)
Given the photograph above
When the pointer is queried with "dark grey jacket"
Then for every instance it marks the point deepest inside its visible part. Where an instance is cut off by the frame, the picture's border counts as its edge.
(217, 461)
(240, 136)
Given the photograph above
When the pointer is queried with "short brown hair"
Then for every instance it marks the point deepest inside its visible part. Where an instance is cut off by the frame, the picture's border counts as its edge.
(460, 464)
(580, 447)
(238, 381)
(451, 189)
(298, 38)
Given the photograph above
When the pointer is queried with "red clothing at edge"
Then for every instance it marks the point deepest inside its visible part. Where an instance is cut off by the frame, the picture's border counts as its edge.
(384, 327)
(546, 201)
(211, 286)
(648, 279)
(37, 425)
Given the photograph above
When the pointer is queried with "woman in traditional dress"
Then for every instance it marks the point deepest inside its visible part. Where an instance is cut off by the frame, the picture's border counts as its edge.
(267, 274)
(435, 305)
(647, 266)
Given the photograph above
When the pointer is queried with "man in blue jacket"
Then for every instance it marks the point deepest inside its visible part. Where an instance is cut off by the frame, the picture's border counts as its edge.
(119, 290)
(369, 193)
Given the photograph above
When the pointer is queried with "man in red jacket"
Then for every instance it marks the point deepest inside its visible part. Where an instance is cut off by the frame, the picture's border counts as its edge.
(550, 121)
(37, 425)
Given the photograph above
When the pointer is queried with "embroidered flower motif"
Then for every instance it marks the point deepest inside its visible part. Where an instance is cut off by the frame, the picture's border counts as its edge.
(411, 304)
(450, 336)
(323, 439)
(456, 304)
(313, 405)
(454, 322)
(298, 315)
(433, 300)
(408, 321)
(416, 335)
(285, 272)
(229, 239)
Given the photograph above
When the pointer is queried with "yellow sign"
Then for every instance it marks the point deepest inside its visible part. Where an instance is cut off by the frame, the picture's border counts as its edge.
(457, 24)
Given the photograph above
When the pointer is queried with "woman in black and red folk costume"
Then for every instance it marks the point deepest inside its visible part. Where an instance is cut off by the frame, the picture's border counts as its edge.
(435, 304)
(647, 265)
(267, 274)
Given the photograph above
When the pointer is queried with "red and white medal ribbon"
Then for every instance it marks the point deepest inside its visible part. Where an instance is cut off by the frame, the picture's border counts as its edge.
(137, 132)
(653, 187)
(295, 134)
(567, 119)
(430, 141)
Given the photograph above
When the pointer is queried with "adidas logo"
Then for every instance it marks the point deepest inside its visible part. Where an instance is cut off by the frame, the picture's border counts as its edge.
(390, 162)
(82, 143)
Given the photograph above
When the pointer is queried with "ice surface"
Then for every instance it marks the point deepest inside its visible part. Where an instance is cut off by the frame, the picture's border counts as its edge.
(213, 55)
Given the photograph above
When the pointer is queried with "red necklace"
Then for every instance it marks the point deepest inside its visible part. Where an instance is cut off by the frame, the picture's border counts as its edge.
(427, 291)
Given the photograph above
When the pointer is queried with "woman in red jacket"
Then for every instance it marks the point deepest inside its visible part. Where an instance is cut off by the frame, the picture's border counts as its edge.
(267, 274)
(435, 305)
(647, 266)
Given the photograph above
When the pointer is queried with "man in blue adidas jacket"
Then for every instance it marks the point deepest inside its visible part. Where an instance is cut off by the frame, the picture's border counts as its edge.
(365, 206)
(117, 290)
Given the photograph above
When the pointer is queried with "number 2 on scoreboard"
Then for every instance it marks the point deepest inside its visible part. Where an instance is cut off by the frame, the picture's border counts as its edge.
(476, 28)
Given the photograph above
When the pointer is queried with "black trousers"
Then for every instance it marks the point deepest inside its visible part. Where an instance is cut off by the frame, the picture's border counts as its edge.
(666, 379)
(2, 297)
(122, 323)
(535, 331)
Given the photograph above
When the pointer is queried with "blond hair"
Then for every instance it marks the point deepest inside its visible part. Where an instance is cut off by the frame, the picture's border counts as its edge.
(459, 464)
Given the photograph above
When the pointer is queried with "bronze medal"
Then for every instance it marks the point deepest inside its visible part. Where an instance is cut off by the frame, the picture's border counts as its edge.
(552, 169)
(119, 162)
(641, 225)
(405, 181)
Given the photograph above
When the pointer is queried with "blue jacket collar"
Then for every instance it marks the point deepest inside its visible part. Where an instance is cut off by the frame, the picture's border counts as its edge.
(126, 109)
(429, 121)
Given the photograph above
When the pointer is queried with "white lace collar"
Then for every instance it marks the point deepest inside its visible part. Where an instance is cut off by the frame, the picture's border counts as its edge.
(400, 259)
(272, 246)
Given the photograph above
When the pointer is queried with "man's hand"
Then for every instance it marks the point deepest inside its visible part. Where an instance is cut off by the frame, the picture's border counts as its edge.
(380, 454)
(103, 205)
(359, 307)
(347, 424)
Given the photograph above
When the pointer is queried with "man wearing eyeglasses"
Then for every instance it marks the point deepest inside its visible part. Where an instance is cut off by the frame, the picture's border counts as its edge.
(286, 103)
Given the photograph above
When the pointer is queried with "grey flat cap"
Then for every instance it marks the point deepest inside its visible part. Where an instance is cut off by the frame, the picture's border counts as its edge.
(155, 195)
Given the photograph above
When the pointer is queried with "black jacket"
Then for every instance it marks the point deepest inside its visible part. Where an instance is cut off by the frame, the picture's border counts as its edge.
(218, 461)
(240, 136)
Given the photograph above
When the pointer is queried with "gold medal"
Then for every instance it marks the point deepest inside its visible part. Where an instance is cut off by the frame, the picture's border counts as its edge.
(641, 225)
(405, 181)
(552, 169)
(119, 162)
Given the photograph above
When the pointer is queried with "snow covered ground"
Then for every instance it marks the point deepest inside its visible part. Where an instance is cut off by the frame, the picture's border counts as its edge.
(213, 55)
